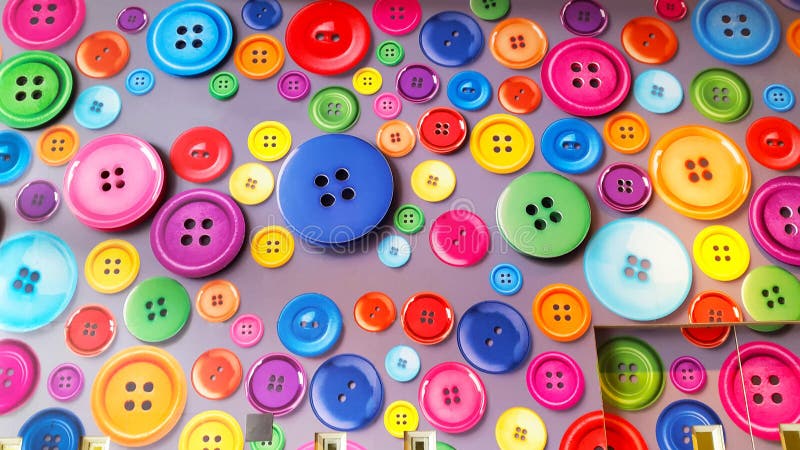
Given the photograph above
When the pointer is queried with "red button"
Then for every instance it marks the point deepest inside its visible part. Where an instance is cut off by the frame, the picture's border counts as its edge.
(774, 143)
(711, 307)
(328, 37)
(427, 318)
(102, 54)
(519, 95)
(674, 10)
(90, 330)
(593, 430)
(216, 374)
(442, 130)
(374, 311)
(201, 154)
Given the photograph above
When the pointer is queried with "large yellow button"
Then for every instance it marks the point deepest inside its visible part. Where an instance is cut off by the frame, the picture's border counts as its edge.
(433, 180)
(269, 141)
(251, 183)
(112, 266)
(627, 132)
(272, 246)
(501, 143)
(367, 81)
(520, 428)
(400, 416)
(57, 145)
(721, 253)
(211, 430)
(395, 138)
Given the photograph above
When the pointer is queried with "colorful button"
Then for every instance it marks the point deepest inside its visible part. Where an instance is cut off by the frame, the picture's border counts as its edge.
(417, 83)
(394, 251)
(631, 373)
(572, 145)
(688, 374)
(427, 318)
(791, 4)
(501, 143)
(793, 37)
(334, 109)
(276, 384)
(740, 32)
(778, 97)
(490, 10)
(36, 86)
(294, 85)
(132, 19)
(520, 428)
(676, 422)
(604, 430)
(505, 279)
(720, 95)
(674, 10)
(157, 309)
(624, 187)
(402, 363)
(37, 201)
(452, 397)
(390, 53)
(774, 143)
(433, 180)
(57, 145)
(272, 246)
(395, 138)
(367, 81)
(374, 311)
(459, 238)
(711, 307)
(35, 27)
(111, 266)
(451, 39)
(223, 85)
(775, 218)
(20, 374)
(658, 91)
(97, 107)
(140, 81)
(518, 43)
(65, 382)
(469, 90)
(400, 416)
(102, 54)
(259, 56)
(217, 300)
(700, 172)
(218, 427)
(409, 219)
(346, 393)
(262, 14)
(138, 396)
(519, 95)
(493, 337)
(721, 253)
(310, 325)
(771, 294)
(247, 330)
(584, 17)
(90, 330)
(251, 183)
(278, 441)
(649, 40)
(200, 154)
(442, 130)
(562, 312)
(555, 380)
(269, 141)
(387, 106)
(396, 17)
(52, 426)
(626, 132)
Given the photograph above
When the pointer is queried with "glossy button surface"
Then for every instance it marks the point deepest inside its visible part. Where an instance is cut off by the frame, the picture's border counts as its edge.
(65, 382)
(626, 132)
(223, 85)
(140, 81)
(334, 109)
(294, 85)
(771, 294)
(520, 428)
(132, 19)
(493, 337)
(469, 90)
(97, 107)
(442, 130)
(207, 427)
(417, 83)
(402, 363)
(390, 53)
(736, 31)
(272, 246)
(374, 311)
(555, 380)
(562, 312)
(505, 279)
(396, 17)
(259, 56)
(675, 423)
(42, 26)
(269, 140)
(57, 145)
(688, 374)
(674, 10)
(367, 81)
(624, 187)
(721, 253)
(720, 95)
(774, 143)
(36, 85)
(433, 180)
(395, 138)
(518, 43)
(501, 143)
(387, 106)
(584, 17)
(52, 426)
(262, 14)
(452, 397)
(774, 217)
(658, 91)
(15, 156)
(90, 330)
(400, 417)
(37, 201)
(572, 145)
(20, 374)
(519, 95)
(217, 300)
(346, 393)
(310, 324)
(276, 383)
(409, 219)
(157, 309)
(247, 330)
(394, 251)
(112, 266)
(711, 307)
(649, 40)
(251, 183)
(200, 154)
(631, 373)
(451, 39)
(102, 54)
(216, 374)
(427, 318)
(459, 238)
(778, 97)
(604, 430)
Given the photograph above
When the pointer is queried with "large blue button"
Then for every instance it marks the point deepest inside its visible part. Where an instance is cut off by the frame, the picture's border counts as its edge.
(469, 90)
(779, 97)
(658, 91)
(346, 393)
(572, 145)
(638, 269)
(52, 428)
(38, 276)
(334, 189)
(674, 424)
(451, 39)
(189, 38)
(97, 107)
(310, 324)
(493, 337)
(15, 156)
(262, 14)
(394, 251)
(402, 363)
(736, 31)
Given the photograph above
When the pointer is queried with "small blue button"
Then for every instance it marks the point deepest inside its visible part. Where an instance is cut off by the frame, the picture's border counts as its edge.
(493, 337)
(738, 32)
(15, 156)
(658, 91)
(50, 429)
(469, 90)
(778, 97)
(402, 363)
(394, 251)
(140, 82)
(451, 39)
(310, 324)
(97, 107)
(506, 279)
(572, 145)
(346, 393)
(674, 424)
(262, 14)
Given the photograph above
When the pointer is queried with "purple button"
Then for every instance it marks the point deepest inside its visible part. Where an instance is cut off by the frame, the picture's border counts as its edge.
(19, 374)
(37, 201)
(132, 19)
(247, 330)
(584, 17)
(197, 233)
(775, 218)
(624, 187)
(294, 85)
(65, 382)
(276, 384)
(417, 83)
(688, 374)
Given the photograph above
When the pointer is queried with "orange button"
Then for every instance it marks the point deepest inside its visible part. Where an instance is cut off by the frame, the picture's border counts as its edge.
(217, 300)
(396, 138)
(259, 56)
(374, 311)
(649, 40)
(711, 307)
(216, 374)
(793, 37)
(57, 145)
(562, 312)
(102, 54)
(518, 43)
(626, 132)
(519, 95)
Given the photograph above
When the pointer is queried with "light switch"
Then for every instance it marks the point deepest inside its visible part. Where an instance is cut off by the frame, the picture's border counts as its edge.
(419, 440)
(330, 441)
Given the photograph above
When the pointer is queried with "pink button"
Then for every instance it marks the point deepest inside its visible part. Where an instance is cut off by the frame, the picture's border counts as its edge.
(387, 106)
(247, 330)
(555, 380)
(113, 182)
(585, 76)
(459, 238)
(396, 17)
(42, 25)
(452, 397)
(19, 374)
(65, 382)
(688, 374)
(674, 10)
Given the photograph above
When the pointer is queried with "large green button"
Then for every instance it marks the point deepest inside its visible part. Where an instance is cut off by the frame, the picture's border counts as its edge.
(333, 109)
(490, 9)
(34, 87)
(720, 95)
(543, 214)
(157, 309)
(771, 294)
(409, 219)
(278, 441)
(631, 373)
(390, 53)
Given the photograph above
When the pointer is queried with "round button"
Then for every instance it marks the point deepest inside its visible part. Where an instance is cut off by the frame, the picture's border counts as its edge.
(519, 95)
(390, 53)
(585, 76)
(599, 429)
(688, 374)
(197, 233)
(400, 416)
(394, 251)
(294, 85)
(778, 97)
(189, 38)
(452, 397)
(721, 253)
(57, 145)
(20, 375)
(97, 107)
(200, 154)
(395, 138)
(387, 106)
(770, 294)
(501, 143)
(572, 145)
(555, 380)
(775, 218)
(310, 325)
(346, 393)
(584, 17)
(675, 422)
(272, 247)
(90, 330)
(631, 373)
(720, 95)
(396, 17)
(417, 83)
(490, 10)
(505, 279)
(442, 130)
(433, 180)
(278, 441)
(138, 396)
(334, 109)
(711, 307)
(37, 201)
(793, 37)
(112, 266)
(459, 238)
(217, 426)
(36, 86)
(402, 363)
(367, 81)
(247, 330)
(258, 56)
(140, 81)
(52, 426)
(451, 39)
(649, 40)
(328, 37)
(65, 382)
(36, 27)
(251, 183)
(409, 219)
(624, 187)
(700, 172)
(520, 428)
(543, 214)
(674, 10)
(469, 90)
(427, 318)
(223, 85)
(658, 91)
(374, 311)
(276, 384)
(626, 132)
(493, 337)
(132, 19)
(269, 141)
(562, 312)
(738, 32)
(217, 300)
(518, 43)
(157, 309)
(791, 4)
(262, 14)
(774, 143)
(102, 54)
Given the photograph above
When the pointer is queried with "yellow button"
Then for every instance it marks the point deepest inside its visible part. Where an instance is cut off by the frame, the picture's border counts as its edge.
(627, 132)
(700, 172)
(251, 183)
(259, 56)
(433, 180)
(520, 428)
(367, 81)
(211, 430)
(57, 145)
(501, 143)
(269, 141)
(400, 416)
(396, 138)
(721, 253)
(111, 266)
(518, 43)
(272, 246)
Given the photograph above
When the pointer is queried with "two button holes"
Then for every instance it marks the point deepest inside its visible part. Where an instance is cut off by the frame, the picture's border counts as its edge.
(9, 372)
(350, 385)
(89, 329)
(377, 309)
(774, 380)
(451, 395)
(497, 332)
(275, 383)
(650, 36)
(768, 297)
(190, 224)
(119, 182)
(592, 67)
(686, 435)
(22, 81)
(334, 37)
(26, 280)
(130, 405)
(263, 56)
(217, 439)
(327, 199)
(49, 20)
(213, 376)
(150, 306)
(517, 97)
(497, 148)
(462, 232)
(398, 13)
(181, 44)
(727, 20)
(547, 203)
(517, 42)
(520, 433)
(704, 172)
(51, 439)
(107, 262)
(261, 14)
(790, 228)
(637, 268)
(448, 42)
(627, 372)
(98, 57)
(557, 314)
(489, 4)
(309, 324)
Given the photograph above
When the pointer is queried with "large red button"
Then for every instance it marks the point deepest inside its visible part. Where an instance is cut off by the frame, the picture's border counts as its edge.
(427, 318)
(774, 143)
(90, 330)
(201, 154)
(442, 130)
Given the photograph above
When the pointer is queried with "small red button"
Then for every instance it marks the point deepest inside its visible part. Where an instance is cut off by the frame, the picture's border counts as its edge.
(711, 307)
(374, 311)
(427, 318)
(774, 143)
(90, 330)
(519, 95)
(201, 154)
(216, 374)
(442, 130)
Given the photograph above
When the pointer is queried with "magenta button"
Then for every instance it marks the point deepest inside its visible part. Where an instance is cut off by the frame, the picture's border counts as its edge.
(775, 218)
(276, 384)
(42, 25)
(688, 374)
(19, 374)
(294, 85)
(417, 83)
(396, 17)
(624, 187)
(555, 380)
(459, 238)
(65, 382)
(452, 397)
(247, 330)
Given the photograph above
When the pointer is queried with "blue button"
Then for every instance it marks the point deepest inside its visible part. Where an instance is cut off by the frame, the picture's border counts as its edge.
(310, 324)
(493, 337)
(189, 38)
(630, 260)
(658, 91)
(394, 251)
(262, 14)
(402, 363)
(572, 145)
(451, 39)
(346, 393)
(38, 275)
(334, 189)
(469, 90)
(15, 156)
(506, 279)
(50, 429)
(674, 424)
(779, 97)
(140, 82)
(97, 107)
(739, 32)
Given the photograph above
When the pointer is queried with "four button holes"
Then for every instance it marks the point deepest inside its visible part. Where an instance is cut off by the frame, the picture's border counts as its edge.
(625, 186)
(592, 67)
(263, 56)
(547, 203)
(627, 372)
(507, 148)
(636, 267)
(51, 439)
(426, 317)
(65, 381)
(714, 315)
(401, 419)
(107, 262)
(162, 311)
(451, 395)
(22, 81)
(190, 224)
(130, 405)
(726, 19)
(89, 329)
(557, 315)
(585, 15)
(119, 183)
(520, 433)
(327, 199)
(417, 82)
(657, 91)
(720, 94)
(489, 4)
(217, 439)
(37, 8)
(768, 297)
(774, 380)
(691, 166)
(181, 43)
(517, 42)
(275, 383)
(442, 128)
(789, 228)
(26, 280)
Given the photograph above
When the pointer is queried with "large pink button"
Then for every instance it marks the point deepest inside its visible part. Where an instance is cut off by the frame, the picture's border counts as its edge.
(775, 218)
(452, 397)
(113, 182)
(555, 380)
(19, 373)
(459, 238)
(42, 25)
(396, 17)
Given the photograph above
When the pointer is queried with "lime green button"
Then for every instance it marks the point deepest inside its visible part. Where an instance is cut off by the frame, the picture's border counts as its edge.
(390, 53)
(278, 441)
(156, 309)
(409, 219)
(489, 9)
(442, 446)
(34, 87)
(771, 294)
(223, 85)
(720, 95)
(631, 373)
(333, 109)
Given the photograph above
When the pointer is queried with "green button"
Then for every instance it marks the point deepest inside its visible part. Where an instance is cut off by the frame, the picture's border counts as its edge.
(490, 9)
(278, 441)
(771, 294)
(720, 95)
(543, 214)
(442, 446)
(409, 219)
(333, 109)
(223, 85)
(34, 87)
(156, 309)
(390, 53)
(631, 373)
